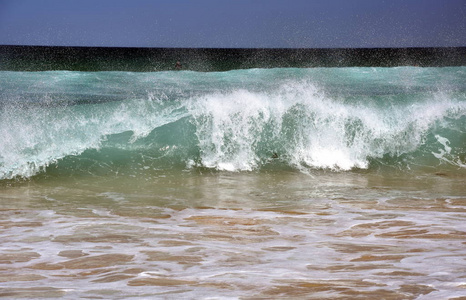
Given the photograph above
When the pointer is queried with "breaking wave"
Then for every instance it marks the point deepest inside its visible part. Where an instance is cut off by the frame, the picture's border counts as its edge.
(338, 119)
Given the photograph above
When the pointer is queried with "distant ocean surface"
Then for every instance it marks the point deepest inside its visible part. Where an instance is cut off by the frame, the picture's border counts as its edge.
(246, 183)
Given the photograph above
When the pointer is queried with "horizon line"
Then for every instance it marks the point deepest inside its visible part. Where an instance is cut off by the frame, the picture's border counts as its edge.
(236, 48)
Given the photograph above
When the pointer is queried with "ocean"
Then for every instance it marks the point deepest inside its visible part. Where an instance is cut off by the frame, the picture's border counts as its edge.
(257, 183)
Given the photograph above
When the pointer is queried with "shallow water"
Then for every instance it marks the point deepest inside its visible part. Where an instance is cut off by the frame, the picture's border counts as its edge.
(256, 235)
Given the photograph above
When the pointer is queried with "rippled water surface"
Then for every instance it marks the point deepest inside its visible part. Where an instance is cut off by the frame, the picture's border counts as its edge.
(235, 235)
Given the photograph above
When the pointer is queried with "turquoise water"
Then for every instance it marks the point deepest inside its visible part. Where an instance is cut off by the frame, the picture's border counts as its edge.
(323, 183)
(341, 119)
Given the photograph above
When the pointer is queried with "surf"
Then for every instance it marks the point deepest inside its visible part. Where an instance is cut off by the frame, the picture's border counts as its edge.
(337, 119)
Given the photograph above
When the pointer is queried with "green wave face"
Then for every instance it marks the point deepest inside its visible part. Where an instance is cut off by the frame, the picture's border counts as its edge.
(340, 119)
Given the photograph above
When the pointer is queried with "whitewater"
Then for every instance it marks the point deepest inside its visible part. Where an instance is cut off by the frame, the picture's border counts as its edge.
(339, 119)
(280, 183)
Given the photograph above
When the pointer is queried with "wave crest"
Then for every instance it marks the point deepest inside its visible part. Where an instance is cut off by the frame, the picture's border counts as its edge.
(292, 120)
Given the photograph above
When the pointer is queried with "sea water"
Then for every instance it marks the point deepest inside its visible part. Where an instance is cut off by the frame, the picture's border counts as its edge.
(252, 184)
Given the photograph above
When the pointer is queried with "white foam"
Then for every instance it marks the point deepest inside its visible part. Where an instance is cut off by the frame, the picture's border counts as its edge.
(241, 118)
(34, 139)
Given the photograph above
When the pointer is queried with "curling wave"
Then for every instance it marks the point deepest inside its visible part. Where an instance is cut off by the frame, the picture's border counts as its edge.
(304, 119)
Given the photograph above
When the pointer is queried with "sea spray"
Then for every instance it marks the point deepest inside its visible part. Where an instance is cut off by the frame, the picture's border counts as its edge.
(243, 120)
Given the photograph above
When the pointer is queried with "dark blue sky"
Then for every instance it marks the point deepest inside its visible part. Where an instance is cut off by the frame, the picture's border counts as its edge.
(234, 23)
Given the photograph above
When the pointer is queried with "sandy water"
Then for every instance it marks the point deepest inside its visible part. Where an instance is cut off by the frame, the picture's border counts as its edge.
(250, 235)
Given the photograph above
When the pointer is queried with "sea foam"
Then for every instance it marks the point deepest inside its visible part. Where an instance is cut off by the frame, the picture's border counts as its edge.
(243, 120)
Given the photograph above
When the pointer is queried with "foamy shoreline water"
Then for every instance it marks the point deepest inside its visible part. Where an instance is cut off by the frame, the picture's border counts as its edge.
(240, 236)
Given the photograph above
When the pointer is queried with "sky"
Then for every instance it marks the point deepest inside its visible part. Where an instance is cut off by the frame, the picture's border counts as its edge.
(234, 23)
